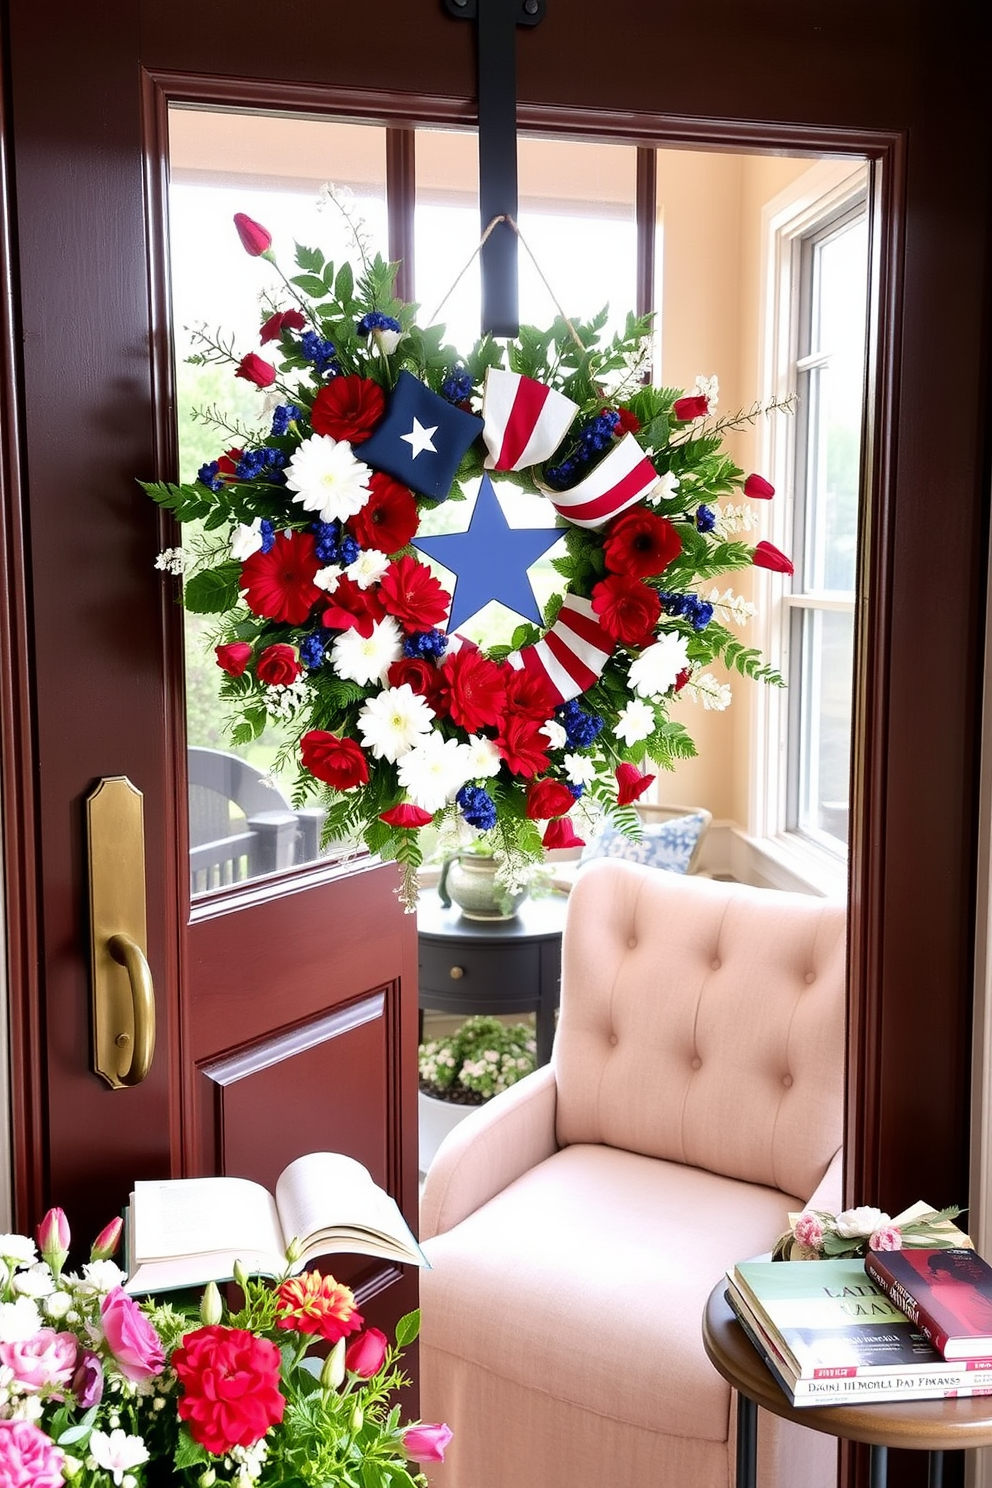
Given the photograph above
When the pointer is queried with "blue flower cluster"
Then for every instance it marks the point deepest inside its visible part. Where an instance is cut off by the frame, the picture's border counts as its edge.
(282, 417)
(425, 645)
(581, 728)
(207, 476)
(261, 464)
(457, 386)
(687, 607)
(268, 532)
(320, 352)
(312, 649)
(376, 321)
(593, 438)
(478, 807)
(333, 545)
(705, 519)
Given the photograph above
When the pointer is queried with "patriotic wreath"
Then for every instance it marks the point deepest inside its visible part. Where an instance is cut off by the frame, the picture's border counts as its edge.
(307, 546)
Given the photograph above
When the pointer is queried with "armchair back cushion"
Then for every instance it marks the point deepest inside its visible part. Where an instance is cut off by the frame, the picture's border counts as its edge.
(718, 1042)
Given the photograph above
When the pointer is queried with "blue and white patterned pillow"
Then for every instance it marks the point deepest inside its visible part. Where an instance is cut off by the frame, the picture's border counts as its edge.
(669, 844)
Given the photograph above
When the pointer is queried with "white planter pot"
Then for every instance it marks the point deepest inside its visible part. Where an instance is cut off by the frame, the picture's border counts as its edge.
(436, 1118)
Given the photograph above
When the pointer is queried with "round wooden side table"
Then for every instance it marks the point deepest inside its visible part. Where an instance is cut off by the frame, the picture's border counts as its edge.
(934, 1426)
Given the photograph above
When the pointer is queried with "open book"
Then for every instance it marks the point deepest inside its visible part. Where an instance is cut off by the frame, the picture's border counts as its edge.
(186, 1231)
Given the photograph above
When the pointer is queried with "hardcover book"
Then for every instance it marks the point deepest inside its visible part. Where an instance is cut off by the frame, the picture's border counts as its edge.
(186, 1231)
(947, 1293)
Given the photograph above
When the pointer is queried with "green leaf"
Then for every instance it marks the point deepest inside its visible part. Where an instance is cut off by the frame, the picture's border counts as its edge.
(407, 1328)
(188, 503)
(310, 259)
(213, 590)
(311, 285)
(344, 284)
(188, 1452)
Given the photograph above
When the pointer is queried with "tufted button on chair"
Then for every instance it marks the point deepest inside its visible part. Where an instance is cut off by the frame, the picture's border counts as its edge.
(577, 1223)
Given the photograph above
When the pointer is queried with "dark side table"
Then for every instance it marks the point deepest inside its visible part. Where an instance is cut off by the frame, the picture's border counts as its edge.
(493, 966)
(934, 1426)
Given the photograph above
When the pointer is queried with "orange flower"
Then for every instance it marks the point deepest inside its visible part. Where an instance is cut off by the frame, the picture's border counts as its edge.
(312, 1303)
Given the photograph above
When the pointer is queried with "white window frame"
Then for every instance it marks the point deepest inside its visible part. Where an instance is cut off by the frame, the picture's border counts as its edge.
(787, 858)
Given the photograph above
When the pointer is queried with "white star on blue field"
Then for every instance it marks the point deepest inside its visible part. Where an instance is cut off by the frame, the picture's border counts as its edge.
(490, 560)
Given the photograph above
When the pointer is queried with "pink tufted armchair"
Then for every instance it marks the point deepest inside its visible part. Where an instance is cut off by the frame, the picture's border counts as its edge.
(577, 1223)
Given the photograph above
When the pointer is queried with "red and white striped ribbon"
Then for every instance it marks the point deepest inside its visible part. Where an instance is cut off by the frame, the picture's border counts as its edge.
(625, 476)
(525, 420)
(573, 653)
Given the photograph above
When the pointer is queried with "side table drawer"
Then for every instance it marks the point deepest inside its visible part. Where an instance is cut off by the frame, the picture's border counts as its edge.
(489, 974)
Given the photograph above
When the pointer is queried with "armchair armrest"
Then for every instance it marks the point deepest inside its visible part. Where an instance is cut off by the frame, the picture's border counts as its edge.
(829, 1194)
(499, 1142)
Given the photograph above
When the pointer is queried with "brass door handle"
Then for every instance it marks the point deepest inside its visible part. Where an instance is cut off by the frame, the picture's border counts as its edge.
(128, 953)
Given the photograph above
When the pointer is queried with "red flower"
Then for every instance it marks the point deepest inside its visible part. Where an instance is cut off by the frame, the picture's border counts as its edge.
(548, 798)
(473, 689)
(759, 488)
(255, 239)
(312, 1303)
(278, 665)
(629, 422)
(338, 762)
(405, 815)
(282, 320)
(631, 784)
(561, 833)
(628, 609)
(254, 368)
(695, 407)
(353, 608)
(523, 746)
(227, 464)
(389, 518)
(766, 555)
(421, 676)
(233, 657)
(527, 694)
(641, 544)
(682, 679)
(230, 1381)
(348, 408)
(278, 585)
(410, 591)
(366, 1353)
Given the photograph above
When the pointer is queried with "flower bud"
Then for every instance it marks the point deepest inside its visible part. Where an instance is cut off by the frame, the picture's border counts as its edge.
(366, 1353)
(332, 1374)
(426, 1443)
(256, 369)
(53, 1239)
(766, 555)
(294, 1250)
(107, 1241)
(211, 1306)
(357, 1419)
(241, 1274)
(758, 488)
(256, 240)
(207, 1479)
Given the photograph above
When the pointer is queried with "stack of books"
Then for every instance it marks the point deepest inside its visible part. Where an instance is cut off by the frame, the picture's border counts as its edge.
(831, 1335)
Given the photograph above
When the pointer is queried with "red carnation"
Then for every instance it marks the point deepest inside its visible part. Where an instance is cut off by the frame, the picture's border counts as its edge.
(353, 608)
(473, 690)
(389, 518)
(411, 592)
(278, 665)
(254, 368)
(233, 657)
(282, 320)
(695, 407)
(230, 1381)
(523, 746)
(528, 694)
(561, 833)
(766, 555)
(641, 544)
(421, 676)
(338, 762)
(629, 422)
(548, 798)
(348, 408)
(630, 784)
(628, 609)
(759, 488)
(255, 239)
(279, 584)
(405, 815)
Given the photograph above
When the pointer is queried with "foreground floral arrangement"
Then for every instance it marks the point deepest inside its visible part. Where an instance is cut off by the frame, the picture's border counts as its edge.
(308, 548)
(817, 1235)
(97, 1389)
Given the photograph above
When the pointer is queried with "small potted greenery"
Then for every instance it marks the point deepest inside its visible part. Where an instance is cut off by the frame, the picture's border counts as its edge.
(466, 1068)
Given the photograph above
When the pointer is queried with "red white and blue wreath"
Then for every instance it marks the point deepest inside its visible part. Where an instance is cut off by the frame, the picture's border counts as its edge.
(308, 549)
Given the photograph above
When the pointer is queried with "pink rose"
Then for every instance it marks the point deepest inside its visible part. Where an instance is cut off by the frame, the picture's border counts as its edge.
(809, 1231)
(47, 1358)
(256, 369)
(366, 1353)
(28, 1458)
(887, 1237)
(426, 1443)
(136, 1347)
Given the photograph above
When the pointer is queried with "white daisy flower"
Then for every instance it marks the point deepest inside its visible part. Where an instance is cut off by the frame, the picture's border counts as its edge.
(580, 769)
(483, 759)
(18, 1249)
(657, 667)
(433, 771)
(555, 734)
(327, 578)
(368, 568)
(363, 659)
(246, 540)
(19, 1319)
(117, 1452)
(393, 721)
(714, 695)
(328, 479)
(635, 721)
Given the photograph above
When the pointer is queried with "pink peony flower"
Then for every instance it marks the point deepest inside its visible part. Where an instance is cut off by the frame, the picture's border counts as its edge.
(808, 1231)
(136, 1347)
(28, 1458)
(47, 1358)
(426, 1443)
(887, 1237)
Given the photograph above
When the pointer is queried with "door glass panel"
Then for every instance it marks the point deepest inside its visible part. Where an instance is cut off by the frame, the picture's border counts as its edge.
(272, 168)
(827, 650)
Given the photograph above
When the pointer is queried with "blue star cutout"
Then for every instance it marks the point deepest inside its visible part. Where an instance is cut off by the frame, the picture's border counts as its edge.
(490, 560)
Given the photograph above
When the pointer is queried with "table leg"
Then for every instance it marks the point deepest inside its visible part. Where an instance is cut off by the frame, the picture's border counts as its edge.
(878, 1467)
(935, 1477)
(747, 1442)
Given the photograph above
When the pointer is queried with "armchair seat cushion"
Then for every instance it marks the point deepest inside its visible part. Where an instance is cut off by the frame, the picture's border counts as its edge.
(539, 1318)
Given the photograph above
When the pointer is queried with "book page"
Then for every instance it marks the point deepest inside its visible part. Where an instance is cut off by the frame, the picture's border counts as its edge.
(203, 1216)
(328, 1194)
